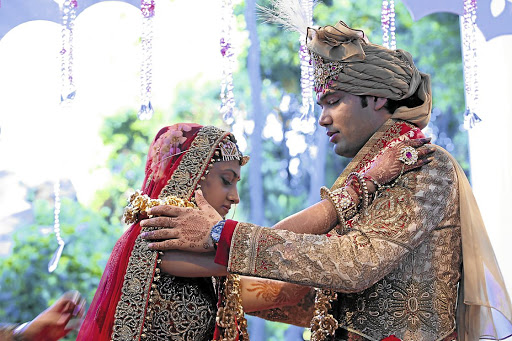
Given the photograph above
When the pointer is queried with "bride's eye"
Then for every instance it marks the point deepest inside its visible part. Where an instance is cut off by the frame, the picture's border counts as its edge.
(226, 182)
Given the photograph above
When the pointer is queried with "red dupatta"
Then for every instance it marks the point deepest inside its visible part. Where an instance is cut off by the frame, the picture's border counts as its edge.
(170, 146)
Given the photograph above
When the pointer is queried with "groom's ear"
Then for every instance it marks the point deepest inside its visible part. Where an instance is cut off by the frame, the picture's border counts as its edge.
(379, 102)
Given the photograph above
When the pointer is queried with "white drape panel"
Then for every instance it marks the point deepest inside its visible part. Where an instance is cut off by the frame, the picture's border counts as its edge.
(490, 144)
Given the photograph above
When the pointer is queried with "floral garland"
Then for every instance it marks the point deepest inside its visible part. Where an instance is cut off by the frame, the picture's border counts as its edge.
(141, 203)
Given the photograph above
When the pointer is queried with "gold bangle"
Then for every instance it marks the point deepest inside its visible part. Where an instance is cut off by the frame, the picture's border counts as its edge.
(342, 201)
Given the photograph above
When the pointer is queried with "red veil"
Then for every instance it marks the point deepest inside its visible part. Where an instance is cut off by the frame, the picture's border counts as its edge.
(177, 158)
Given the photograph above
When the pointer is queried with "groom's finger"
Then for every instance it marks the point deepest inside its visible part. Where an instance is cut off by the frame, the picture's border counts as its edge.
(418, 142)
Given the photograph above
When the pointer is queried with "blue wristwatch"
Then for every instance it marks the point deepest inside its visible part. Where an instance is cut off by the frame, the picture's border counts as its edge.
(217, 230)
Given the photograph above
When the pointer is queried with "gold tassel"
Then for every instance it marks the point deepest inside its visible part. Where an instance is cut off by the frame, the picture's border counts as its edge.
(230, 317)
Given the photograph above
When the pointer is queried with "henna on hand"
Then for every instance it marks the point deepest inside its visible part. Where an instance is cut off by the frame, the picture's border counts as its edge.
(299, 314)
(387, 167)
(190, 228)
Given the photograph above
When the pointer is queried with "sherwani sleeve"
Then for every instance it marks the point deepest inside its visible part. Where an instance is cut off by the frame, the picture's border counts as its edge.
(396, 222)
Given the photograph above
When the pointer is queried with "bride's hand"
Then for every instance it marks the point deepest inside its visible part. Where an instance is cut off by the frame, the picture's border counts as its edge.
(388, 166)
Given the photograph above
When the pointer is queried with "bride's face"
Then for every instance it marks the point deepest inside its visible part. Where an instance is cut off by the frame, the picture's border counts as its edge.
(219, 186)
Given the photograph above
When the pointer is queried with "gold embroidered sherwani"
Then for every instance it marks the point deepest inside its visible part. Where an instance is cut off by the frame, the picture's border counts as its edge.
(396, 267)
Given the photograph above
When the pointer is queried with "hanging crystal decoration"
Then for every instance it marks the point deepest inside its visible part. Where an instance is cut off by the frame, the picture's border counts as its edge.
(306, 69)
(52, 265)
(227, 98)
(470, 64)
(147, 8)
(68, 12)
(387, 20)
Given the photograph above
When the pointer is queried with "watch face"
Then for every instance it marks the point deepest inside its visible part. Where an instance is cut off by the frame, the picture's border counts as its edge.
(215, 236)
(216, 231)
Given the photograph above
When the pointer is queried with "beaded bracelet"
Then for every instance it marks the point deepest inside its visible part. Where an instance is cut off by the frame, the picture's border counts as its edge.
(371, 179)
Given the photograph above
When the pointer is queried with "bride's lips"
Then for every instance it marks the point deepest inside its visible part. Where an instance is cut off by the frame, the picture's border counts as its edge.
(225, 209)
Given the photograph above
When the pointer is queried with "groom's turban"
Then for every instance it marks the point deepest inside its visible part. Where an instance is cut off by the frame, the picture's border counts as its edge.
(345, 60)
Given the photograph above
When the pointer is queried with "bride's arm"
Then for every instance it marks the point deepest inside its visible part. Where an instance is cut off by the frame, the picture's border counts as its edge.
(257, 294)
(190, 264)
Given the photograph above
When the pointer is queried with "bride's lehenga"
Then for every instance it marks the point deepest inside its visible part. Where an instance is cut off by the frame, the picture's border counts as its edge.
(134, 301)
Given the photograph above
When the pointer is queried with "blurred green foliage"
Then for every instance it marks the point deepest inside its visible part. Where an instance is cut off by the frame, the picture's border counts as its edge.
(26, 287)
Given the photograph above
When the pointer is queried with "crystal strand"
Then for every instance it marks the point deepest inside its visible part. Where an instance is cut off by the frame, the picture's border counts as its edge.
(470, 63)
(52, 265)
(392, 28)
(147, 8)
(68, 12)
(306, 69)
(384, 23)
(227, 98)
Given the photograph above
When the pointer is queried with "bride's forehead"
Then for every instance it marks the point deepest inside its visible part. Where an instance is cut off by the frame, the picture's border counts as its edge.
(232, 165)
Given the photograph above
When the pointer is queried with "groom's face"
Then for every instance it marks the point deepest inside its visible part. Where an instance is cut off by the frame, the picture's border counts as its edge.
(350, 122)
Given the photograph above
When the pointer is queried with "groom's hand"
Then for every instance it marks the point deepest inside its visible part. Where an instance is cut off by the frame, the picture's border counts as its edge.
(186, 229)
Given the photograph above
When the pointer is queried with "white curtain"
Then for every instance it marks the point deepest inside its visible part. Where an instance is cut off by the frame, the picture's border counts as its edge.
(490, 144)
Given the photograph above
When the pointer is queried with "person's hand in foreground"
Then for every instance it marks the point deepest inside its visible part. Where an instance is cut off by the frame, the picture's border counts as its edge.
(187, 229)
(55, 322)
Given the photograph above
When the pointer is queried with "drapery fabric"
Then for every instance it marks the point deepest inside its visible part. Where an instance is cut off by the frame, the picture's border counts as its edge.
(484, 309)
